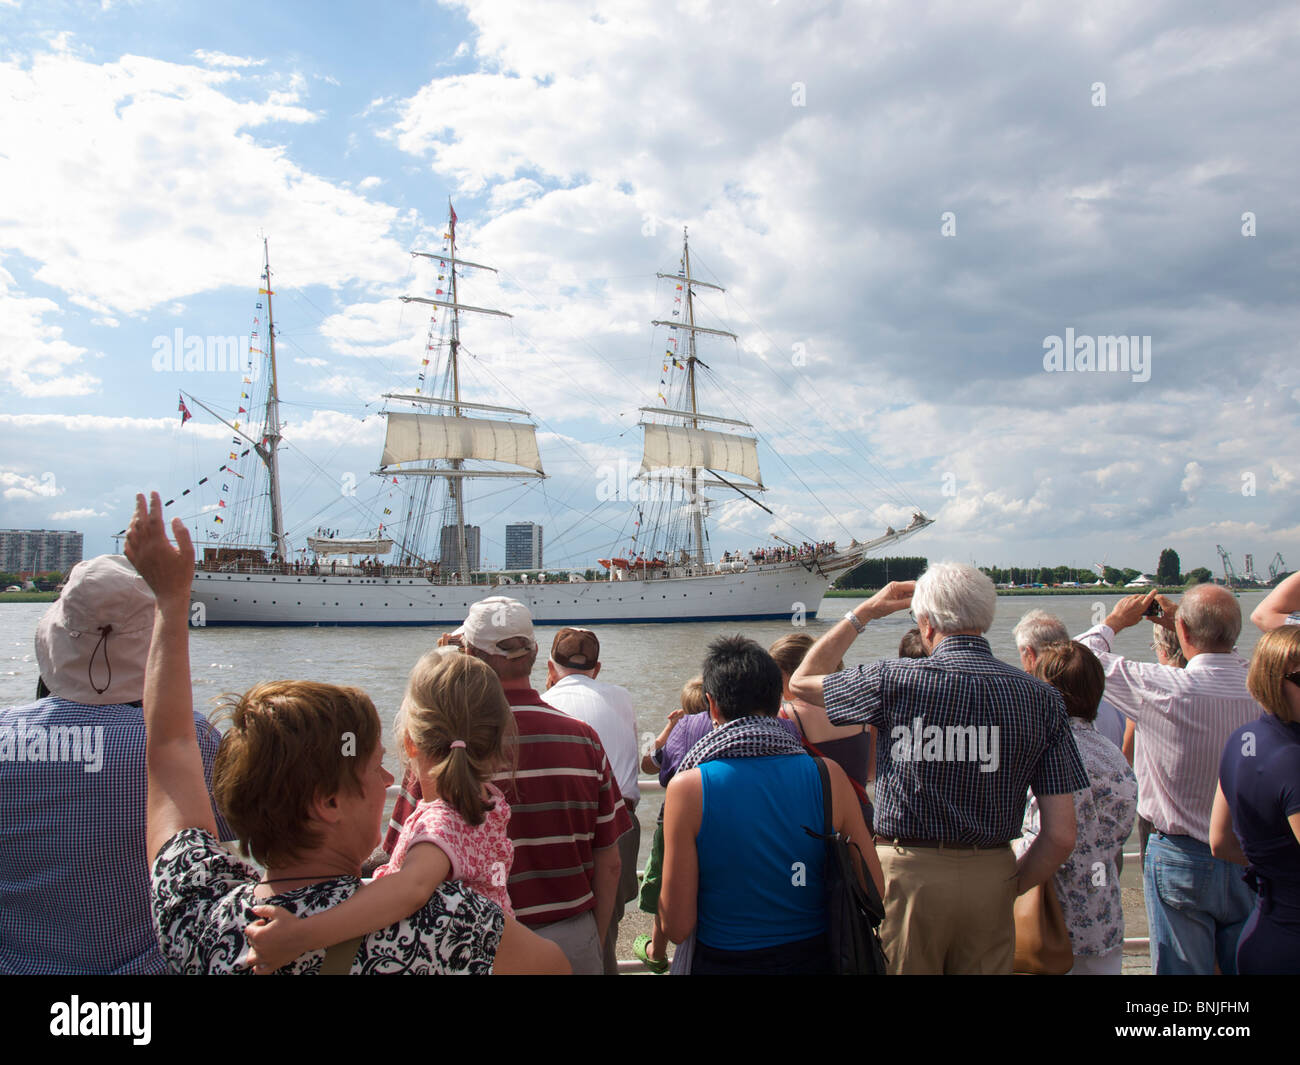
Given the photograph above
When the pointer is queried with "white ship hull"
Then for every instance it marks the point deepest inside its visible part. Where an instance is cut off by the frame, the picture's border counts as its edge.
(782, 591)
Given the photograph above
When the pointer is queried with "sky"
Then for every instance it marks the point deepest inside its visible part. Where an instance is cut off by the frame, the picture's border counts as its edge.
(925, 216)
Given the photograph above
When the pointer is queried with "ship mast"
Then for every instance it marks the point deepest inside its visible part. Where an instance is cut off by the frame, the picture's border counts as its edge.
(696, 517)
(268, 449)
(694, 416)
(460, 434)
(455, 485)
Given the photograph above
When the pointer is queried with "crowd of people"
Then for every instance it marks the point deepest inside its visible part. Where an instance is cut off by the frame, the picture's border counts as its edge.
(966, 783)
(790, 553)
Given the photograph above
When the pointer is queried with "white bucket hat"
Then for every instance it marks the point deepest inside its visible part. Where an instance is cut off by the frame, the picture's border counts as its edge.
(93, 642)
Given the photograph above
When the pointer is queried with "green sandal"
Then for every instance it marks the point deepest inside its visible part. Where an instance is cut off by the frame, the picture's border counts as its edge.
(640, 947)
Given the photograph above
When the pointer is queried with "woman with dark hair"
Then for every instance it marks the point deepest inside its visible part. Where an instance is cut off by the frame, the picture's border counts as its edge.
(1087, 884)
(851, 746)
(740, 871)
(1256, 817)
(301, 779)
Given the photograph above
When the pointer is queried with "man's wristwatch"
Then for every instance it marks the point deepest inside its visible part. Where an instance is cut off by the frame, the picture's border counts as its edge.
(852, 619)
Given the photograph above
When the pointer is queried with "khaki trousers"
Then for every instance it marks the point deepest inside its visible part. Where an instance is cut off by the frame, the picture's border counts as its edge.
(948, 910)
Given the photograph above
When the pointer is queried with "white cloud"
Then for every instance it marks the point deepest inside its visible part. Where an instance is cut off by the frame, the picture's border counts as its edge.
(182, 186)
(313, 362)
(35, 359)
(102, 423)
(1193, 478)
(75, 515)
(371, 182)
(220, 59)
(28, 486)
(347, 386)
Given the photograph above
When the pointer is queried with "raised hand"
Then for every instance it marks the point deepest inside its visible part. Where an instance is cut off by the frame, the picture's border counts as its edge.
(1169, 608)
(168, 570)
(894, 596)
(1129, 611)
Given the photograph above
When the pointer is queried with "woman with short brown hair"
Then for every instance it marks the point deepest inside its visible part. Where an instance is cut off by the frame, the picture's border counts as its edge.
(301, 769)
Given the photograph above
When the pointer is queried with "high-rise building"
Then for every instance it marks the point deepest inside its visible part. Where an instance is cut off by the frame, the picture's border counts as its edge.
(39, 550)
(451, 550)
(524, 546)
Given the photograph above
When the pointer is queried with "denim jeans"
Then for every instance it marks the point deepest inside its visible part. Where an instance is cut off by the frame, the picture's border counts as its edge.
(1197, 906)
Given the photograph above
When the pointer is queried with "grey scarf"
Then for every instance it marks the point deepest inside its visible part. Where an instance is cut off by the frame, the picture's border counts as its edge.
(745, 737)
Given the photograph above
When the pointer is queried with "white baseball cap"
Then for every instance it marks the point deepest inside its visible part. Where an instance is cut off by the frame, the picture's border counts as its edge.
(495, 619)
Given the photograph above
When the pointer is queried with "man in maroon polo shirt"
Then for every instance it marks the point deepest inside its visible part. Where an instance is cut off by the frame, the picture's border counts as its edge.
(566, 813)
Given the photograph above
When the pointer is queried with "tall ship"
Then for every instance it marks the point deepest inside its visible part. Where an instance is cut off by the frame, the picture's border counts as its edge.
(419, 560)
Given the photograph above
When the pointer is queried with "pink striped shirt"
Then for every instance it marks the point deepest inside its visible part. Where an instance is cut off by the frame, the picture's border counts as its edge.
(1184, 717)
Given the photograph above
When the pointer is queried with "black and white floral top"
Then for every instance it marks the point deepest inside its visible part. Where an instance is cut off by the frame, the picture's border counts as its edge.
(202, 899)
(1088, 882)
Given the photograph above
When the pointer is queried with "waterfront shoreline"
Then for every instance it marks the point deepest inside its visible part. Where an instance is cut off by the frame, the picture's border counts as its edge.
(864, 593)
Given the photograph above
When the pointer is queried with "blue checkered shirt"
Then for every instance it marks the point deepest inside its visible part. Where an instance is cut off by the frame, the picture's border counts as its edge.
(961, 736)
(74, 878)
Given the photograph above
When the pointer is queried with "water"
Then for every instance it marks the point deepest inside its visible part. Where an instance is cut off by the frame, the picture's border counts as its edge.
(651, 661)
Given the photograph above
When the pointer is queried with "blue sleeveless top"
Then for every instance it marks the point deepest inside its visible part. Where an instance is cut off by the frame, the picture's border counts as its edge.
(761, 881)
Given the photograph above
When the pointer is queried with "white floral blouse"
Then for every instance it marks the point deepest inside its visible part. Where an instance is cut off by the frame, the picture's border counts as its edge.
(1088, 882)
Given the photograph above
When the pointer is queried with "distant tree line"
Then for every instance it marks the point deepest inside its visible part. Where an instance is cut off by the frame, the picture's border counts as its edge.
(877, 572)
(45, 582)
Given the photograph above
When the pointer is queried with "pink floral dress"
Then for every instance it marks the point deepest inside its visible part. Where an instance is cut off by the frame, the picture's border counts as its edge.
(480, 855)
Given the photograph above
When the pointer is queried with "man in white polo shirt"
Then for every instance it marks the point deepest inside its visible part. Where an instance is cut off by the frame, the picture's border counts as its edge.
(571, 686)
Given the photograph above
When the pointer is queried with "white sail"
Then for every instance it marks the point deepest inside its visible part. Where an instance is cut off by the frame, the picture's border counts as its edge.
(324, 545)
(681, 447)
(415, 437)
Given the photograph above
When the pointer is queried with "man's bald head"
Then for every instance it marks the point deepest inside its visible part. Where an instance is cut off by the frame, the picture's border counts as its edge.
(1211, 617)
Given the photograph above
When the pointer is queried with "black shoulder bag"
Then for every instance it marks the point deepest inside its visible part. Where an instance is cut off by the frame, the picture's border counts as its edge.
(853, 914)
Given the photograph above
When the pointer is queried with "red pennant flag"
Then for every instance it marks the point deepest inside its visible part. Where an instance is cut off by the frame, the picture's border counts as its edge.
(185, 411)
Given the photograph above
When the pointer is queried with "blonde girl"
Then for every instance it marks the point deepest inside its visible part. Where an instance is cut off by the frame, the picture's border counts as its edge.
(456, 729)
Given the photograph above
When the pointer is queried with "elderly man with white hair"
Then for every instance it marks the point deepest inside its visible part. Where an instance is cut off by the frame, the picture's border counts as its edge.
(1037, 631)
(963, 737)
(1196, 904)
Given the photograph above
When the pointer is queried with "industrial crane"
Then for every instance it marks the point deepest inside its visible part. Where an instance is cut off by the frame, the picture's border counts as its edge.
(1229, 574)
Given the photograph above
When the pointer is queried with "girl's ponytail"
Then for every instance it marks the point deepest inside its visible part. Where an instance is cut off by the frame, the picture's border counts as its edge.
(457, 716)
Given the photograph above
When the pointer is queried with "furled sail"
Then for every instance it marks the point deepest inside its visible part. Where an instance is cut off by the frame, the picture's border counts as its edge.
(323, 545)
(416, 437)
(681, 447)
